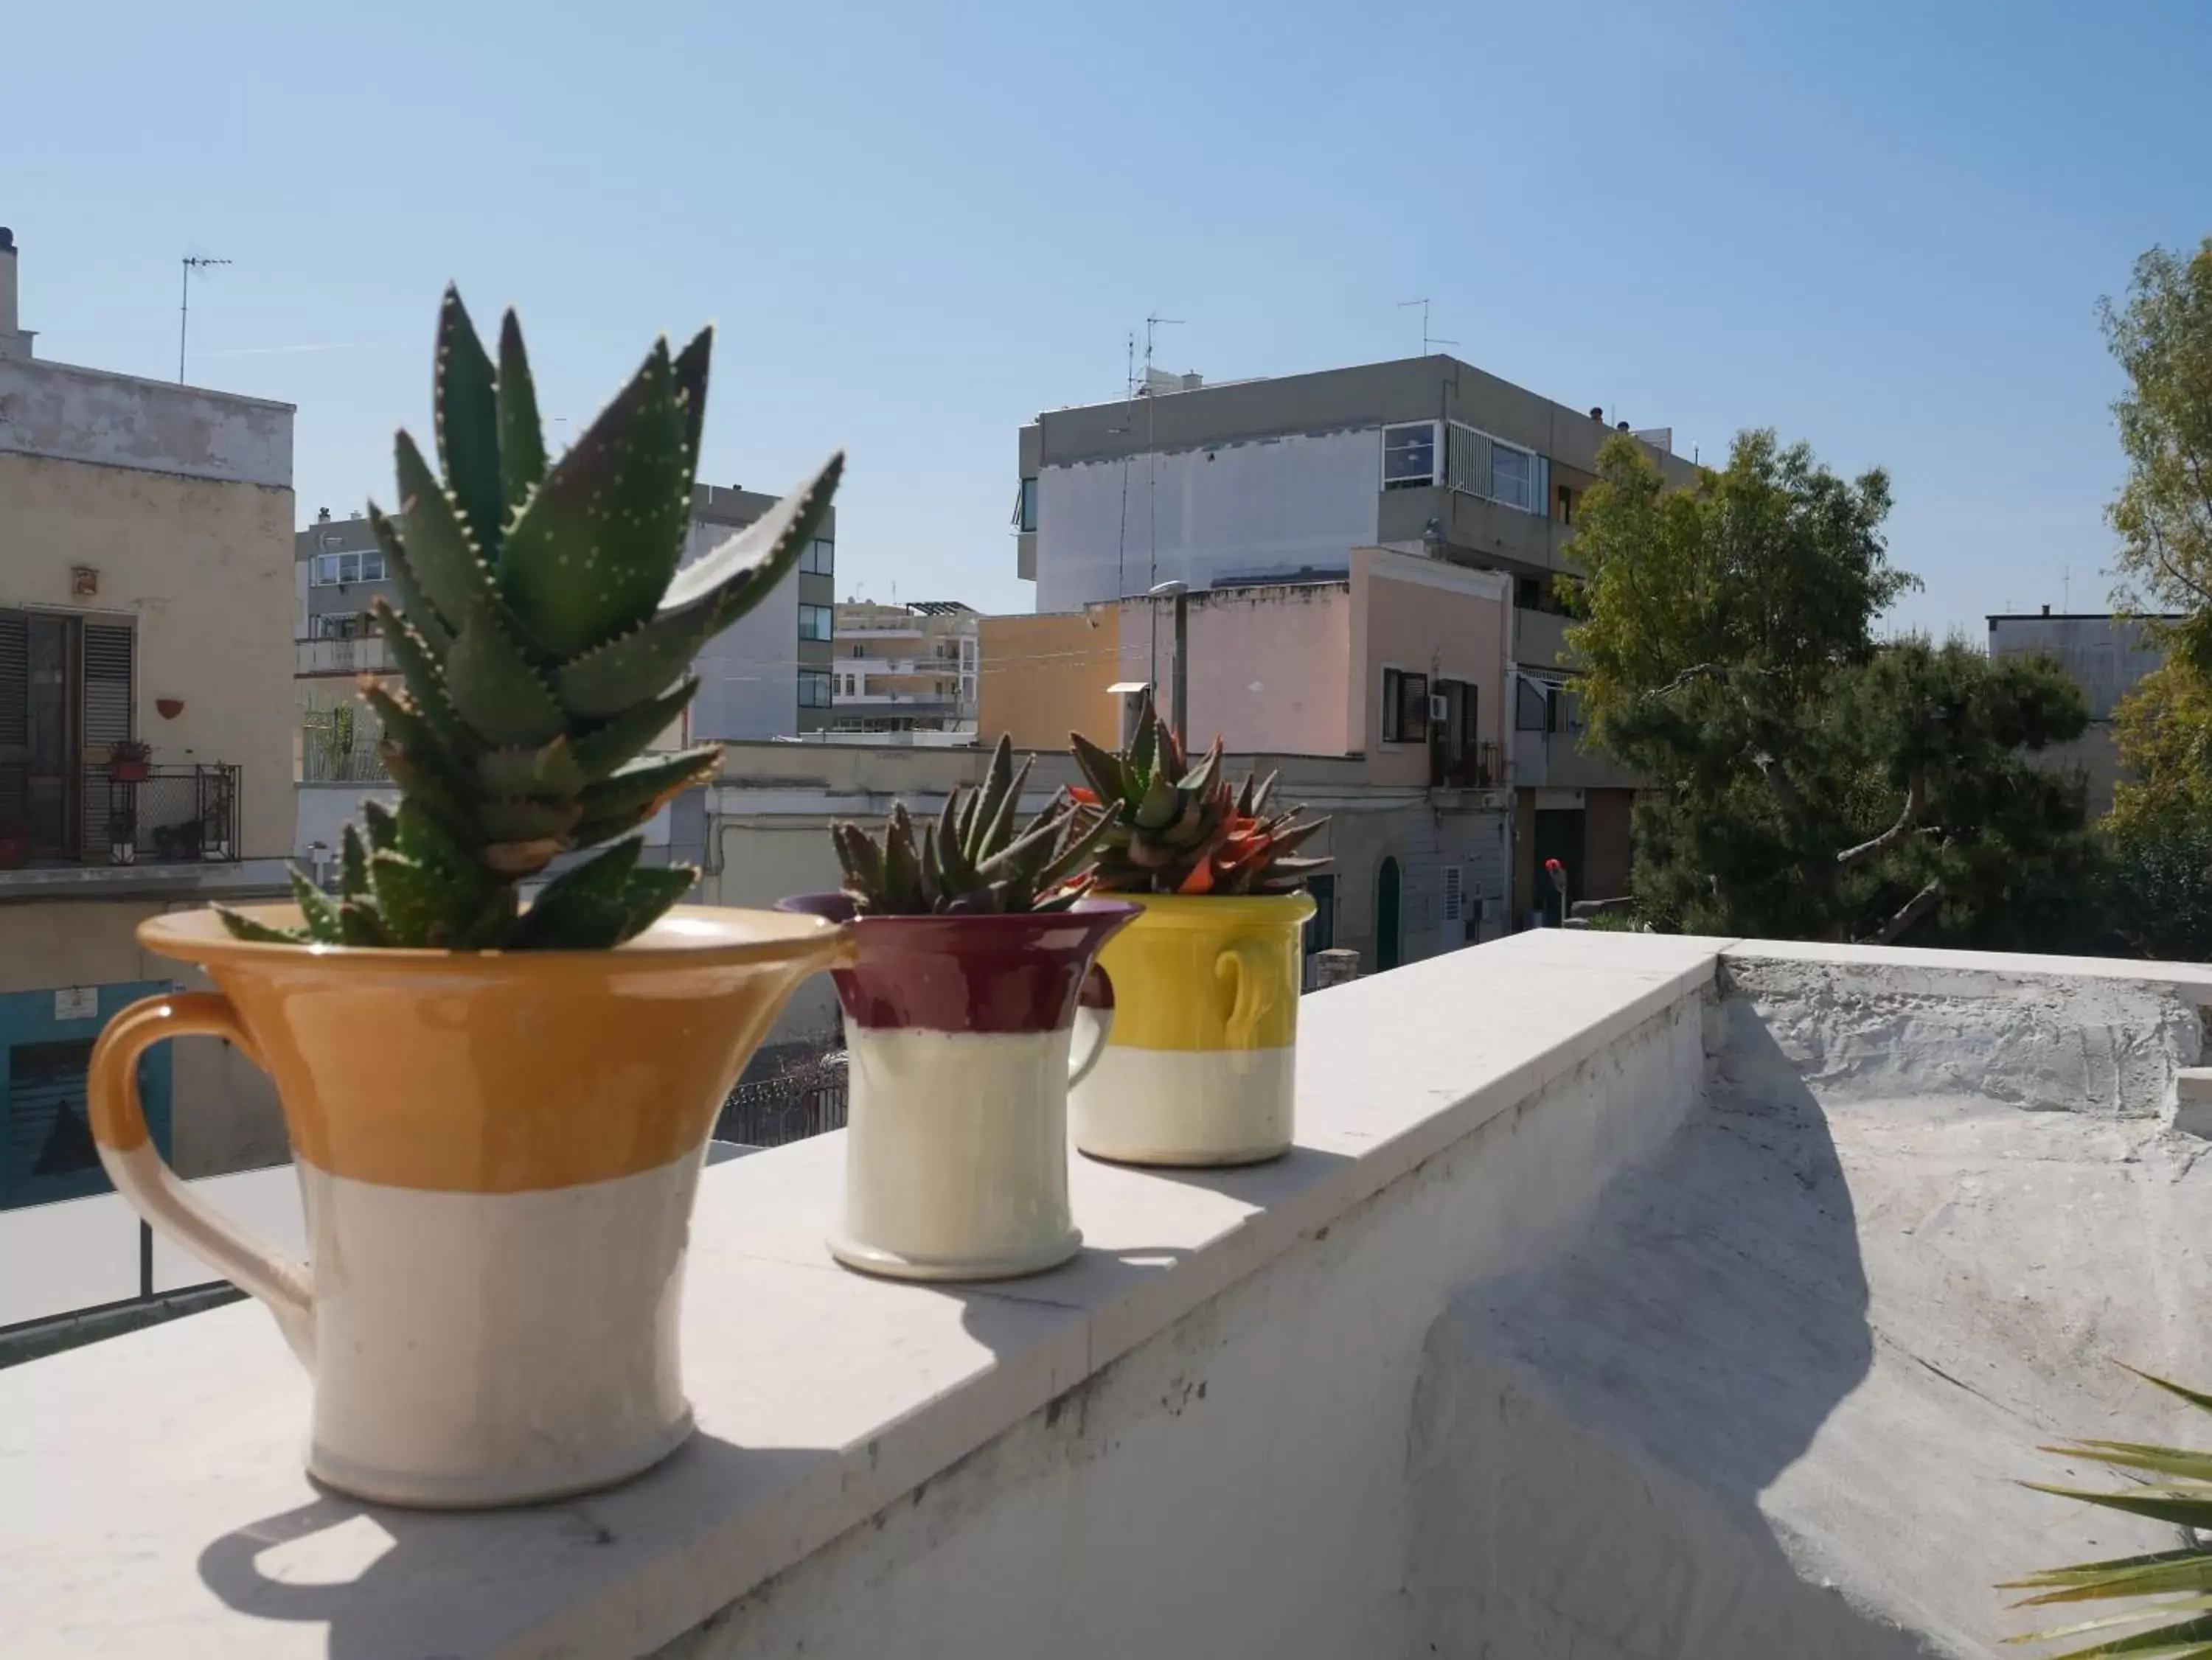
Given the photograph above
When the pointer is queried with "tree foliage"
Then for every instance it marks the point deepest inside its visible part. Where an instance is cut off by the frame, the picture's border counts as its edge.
(2160, 830)
(1814, 784)
(2162, 338)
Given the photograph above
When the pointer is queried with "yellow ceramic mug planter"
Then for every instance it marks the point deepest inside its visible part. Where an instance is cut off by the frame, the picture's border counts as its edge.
(1200, 1067)
(497, 1152)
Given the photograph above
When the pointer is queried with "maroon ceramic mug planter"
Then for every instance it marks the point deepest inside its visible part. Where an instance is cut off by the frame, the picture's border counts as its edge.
(962, 1036)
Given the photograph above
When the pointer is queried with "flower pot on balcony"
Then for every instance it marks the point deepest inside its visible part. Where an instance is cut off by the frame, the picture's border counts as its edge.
(498, 1153)
(15, 850)
(963, 1034)
(1201, 1067)
(129, 772)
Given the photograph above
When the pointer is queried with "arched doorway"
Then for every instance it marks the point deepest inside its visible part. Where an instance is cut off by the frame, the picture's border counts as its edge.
(1388, 952)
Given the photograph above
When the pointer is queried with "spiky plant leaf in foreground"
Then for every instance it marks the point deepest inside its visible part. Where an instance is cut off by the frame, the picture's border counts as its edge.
(973, 861)
(1184, 829)
(542, 640)
(2179, 1581)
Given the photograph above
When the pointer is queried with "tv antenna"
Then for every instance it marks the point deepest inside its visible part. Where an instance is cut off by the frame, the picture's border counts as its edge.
(2065, 589)
(1428, 339)
(1152, 325)
(191, 261)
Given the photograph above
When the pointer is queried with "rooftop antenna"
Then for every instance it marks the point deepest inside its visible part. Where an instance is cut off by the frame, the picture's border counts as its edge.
(1152, 325)
(2066, 590)
(191, 261)
(1428, 339)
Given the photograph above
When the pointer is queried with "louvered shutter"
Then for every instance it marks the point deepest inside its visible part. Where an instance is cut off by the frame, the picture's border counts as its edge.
(15, 719)
(107, 665)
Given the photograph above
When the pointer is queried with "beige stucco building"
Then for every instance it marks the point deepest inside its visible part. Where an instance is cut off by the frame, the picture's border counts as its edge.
(903, 668)
(145, 599)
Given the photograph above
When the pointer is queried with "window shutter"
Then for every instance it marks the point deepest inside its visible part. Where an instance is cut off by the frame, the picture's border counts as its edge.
(107, 663)
(15, 719)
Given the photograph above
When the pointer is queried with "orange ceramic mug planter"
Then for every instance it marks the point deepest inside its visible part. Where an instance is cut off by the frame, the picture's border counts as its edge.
(498, 1153)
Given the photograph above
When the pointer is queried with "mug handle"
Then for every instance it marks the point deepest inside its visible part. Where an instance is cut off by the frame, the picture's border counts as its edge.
(1248, 963)
(136, 1166)
(1094, 1009)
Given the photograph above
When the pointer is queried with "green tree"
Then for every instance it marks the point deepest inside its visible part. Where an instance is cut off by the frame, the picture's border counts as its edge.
(2160, 830)
(1814, 783)
(2162, 338)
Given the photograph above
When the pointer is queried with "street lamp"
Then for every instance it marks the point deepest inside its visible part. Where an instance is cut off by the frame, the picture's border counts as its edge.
(1179, 700)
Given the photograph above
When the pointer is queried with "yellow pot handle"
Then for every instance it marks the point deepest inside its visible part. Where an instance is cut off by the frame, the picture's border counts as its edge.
(118, 1126)
(1248, 966)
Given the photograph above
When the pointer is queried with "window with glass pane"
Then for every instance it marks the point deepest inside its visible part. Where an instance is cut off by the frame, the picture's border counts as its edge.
(815, 622)
(820, 558)
(1029, 504)
(814, 688)
(1409, 456)
(1404, 706)
(372, 567)
(1513, 477)
(349, 567)
(325, 570)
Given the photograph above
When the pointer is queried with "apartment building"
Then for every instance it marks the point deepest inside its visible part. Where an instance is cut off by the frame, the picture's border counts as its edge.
(908, 668)
(1391, 675)
(1278, 479)
(2105, 656)
(145, 736)
(767, 677)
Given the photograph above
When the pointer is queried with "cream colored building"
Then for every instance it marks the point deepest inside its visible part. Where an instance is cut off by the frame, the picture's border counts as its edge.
(903, 668)
(145, 598)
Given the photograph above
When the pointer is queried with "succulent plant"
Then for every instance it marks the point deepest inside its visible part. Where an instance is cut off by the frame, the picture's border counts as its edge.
(2178, 1583)
(1183, 829)
(972, 860)
(544, 637)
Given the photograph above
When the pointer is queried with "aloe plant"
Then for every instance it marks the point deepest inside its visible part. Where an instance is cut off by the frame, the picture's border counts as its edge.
(543, 638)
(973, 860)
(1185, 829)
(2179, 1581)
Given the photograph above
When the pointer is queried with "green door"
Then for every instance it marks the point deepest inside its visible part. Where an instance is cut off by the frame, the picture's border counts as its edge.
(1389, 947)
(46, 1150)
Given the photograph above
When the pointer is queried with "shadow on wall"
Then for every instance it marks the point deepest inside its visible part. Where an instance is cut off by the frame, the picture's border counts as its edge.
(1590, 1440)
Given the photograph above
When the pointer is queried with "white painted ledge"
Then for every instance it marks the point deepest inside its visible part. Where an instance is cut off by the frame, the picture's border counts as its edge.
(151, 1499)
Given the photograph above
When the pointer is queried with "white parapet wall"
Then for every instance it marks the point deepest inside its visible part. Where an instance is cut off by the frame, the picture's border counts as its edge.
(1376, 1398)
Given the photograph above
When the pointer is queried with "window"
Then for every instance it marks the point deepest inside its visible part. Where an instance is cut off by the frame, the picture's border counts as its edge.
(1409, 456)
(1513, 477)
(1405, 708)
(814, 688)
(820, 559)
(815, 622)
(334, 625)
(333, 570)
(1566, 504)
(1536, 706)
(65, 695)
(1025, 505)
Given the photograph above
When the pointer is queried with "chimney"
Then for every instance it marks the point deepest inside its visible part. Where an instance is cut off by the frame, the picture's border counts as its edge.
(1597, 413)
(1620, 426)
(14, 343)
(2046, 610)
(324, 517)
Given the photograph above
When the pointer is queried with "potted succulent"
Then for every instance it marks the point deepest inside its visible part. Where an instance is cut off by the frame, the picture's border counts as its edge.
(1198, 1070)
(499, 1111)
(974, 947)
(129, 761)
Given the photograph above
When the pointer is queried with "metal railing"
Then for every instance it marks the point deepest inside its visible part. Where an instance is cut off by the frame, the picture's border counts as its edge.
(804, 1096)
(172, 815)
(1475, 767)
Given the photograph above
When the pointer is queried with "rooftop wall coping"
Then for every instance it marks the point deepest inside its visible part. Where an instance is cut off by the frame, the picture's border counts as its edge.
(151, 1500)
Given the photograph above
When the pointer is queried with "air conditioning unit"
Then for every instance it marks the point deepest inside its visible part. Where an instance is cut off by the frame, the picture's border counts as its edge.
(1439, 707)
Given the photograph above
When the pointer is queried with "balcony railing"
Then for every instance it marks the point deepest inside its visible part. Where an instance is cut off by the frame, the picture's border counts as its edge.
(172, 815)
(368, 654)
(1476, 766)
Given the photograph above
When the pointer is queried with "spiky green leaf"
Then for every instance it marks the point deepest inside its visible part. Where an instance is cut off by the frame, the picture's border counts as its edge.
(643, 663)
(604, 747)
(425, 680)
(730, 579)
(353, 863)
(1102, 767)
(652, 889)
(552, 770)
(586, 907)
(493, 688)
(645, 784)
(359, 923)
(590, 554)
(248, 928)
(521, 437)
(691, 378)
(467, 415)
(421, 615)
(445, 563)
(378, 823)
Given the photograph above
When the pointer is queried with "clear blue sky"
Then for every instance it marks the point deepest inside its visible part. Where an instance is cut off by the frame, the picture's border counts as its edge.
(1881, 228)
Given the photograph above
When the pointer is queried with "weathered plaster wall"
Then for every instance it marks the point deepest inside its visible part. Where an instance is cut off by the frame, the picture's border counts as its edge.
(70, 414)
(1237, 1484)
(1041, 678)
(1268, 665)
(204, 572)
